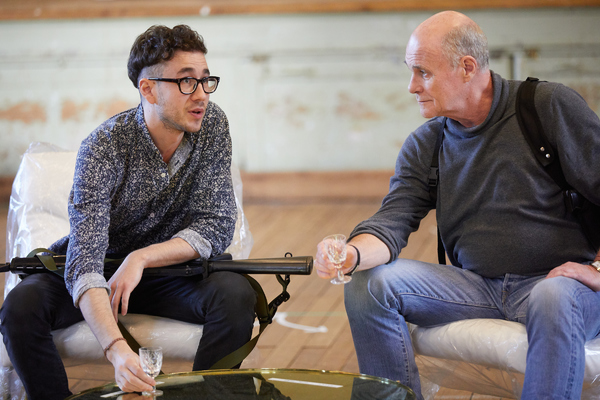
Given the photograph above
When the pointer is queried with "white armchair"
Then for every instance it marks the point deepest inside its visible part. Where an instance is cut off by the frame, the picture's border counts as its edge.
(37, 217)
(485, 356)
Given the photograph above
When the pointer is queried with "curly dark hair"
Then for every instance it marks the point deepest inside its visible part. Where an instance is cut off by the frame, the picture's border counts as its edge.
(158, 44)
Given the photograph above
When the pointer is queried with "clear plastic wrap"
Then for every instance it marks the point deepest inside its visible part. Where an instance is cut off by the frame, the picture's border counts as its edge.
(242, 242)
(485, 356)
(37, 217)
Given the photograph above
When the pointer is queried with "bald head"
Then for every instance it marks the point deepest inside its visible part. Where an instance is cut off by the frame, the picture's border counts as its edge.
(454, 35)
(448, 58)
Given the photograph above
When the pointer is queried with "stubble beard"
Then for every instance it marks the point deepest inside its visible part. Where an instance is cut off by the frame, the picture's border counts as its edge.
(167, 118)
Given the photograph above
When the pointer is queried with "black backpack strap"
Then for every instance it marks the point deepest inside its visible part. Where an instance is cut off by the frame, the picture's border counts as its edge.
(586, 212)
(434, 180)
(531, 127)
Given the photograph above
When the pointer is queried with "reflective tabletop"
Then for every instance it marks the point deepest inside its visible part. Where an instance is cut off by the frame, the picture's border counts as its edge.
(267, 384)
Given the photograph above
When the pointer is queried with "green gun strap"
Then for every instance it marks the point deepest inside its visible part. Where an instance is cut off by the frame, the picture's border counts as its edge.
(265, 312)
(264, 319)
(48, 261)
(133, 344)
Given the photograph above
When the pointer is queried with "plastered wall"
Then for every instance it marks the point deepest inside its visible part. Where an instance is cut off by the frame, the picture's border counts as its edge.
(302, 92)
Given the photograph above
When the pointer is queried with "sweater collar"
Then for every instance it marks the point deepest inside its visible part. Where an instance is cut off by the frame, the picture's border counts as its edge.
(499, 104)
(149, 145)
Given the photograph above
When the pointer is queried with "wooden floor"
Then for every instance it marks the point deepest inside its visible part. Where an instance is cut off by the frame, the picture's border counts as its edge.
(320, 338)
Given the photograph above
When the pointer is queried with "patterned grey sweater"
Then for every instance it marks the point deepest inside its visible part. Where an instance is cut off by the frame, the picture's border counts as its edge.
(125, 197)
(499, 212)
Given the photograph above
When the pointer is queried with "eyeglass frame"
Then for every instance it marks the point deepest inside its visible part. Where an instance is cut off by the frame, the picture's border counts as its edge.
(199, 82)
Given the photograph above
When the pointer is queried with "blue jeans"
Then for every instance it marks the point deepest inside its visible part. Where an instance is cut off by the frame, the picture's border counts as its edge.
(560, 314)
(224, 303)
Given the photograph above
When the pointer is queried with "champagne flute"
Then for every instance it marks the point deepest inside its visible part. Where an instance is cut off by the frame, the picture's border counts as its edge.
(336, 252)
(151, 362)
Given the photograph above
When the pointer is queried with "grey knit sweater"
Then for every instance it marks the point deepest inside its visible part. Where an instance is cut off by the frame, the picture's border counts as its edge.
(499, 212)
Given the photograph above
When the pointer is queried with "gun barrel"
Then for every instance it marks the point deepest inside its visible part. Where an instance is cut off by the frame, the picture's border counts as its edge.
(282, 266)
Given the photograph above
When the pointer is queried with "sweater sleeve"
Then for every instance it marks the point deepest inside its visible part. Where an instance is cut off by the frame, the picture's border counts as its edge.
(89, 215)
(408, 200)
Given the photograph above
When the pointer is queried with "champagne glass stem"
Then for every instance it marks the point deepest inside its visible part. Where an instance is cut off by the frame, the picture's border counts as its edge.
(340, 274)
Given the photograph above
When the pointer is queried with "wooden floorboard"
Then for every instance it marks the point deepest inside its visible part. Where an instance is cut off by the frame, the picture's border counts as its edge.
(315, 303)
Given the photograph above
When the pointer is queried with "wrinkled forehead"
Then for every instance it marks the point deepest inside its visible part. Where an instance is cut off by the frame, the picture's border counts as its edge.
(420, 52)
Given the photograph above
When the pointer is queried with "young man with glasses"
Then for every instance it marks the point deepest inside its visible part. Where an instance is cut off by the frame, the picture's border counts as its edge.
(152, 183)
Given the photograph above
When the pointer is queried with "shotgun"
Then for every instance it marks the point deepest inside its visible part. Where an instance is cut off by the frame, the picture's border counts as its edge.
(279, 266)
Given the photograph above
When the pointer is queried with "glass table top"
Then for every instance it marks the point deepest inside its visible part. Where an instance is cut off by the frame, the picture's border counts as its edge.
(262, 384)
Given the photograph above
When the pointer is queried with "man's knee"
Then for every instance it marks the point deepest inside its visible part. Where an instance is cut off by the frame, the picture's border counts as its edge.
(23, 298)
(552, 297)
(383, 286)
(356, 291)
(21, 306)
(37, 303)
(234, 293)
(368, 288)
(550, 291)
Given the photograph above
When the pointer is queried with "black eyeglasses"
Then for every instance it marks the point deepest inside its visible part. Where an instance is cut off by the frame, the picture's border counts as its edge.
(188, 84)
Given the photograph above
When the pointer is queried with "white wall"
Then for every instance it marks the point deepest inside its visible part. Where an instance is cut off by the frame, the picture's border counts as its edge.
(302, 92)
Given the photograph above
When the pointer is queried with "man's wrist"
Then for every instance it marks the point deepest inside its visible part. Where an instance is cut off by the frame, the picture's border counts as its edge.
(117, 350)
(357, 261)
(111, 344)
(140, 257)
(596, 264)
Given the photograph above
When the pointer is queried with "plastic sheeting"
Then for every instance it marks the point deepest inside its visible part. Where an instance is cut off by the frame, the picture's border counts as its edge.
(485, 356)
(37, 217)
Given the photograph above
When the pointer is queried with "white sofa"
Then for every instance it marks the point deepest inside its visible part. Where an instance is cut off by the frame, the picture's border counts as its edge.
(37, 217)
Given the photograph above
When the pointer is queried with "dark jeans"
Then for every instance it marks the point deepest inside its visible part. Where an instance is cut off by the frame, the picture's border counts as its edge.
(223, 303)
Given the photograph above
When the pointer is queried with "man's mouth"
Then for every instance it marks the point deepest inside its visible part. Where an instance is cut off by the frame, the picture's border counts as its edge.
(197, 112)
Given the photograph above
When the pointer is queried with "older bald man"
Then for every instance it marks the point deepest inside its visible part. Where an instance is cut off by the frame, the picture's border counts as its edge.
(516, 252)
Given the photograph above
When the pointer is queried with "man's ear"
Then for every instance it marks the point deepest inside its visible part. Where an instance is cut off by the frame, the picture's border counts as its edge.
(468, 64)
(147, 90)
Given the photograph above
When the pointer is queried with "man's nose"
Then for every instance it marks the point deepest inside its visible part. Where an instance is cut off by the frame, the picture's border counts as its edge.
(413, 85)
(199, 94)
